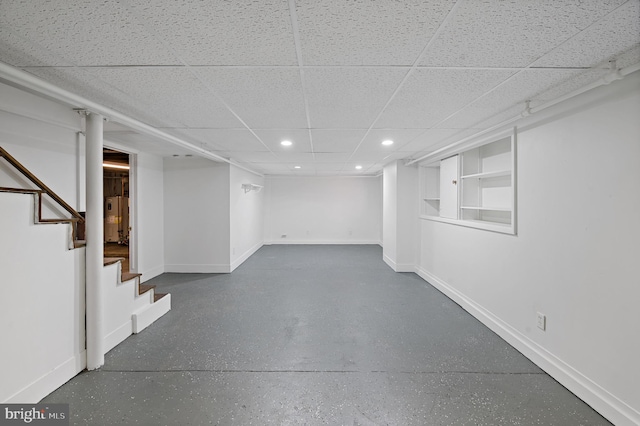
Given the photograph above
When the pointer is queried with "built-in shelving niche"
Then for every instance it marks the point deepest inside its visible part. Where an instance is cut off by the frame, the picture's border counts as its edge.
(475, 187)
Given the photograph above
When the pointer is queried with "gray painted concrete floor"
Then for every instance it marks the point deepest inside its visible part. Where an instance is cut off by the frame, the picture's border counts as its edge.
(316, 335)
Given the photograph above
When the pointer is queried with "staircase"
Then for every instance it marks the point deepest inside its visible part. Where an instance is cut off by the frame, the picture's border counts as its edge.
(43, 293)
(132, 306)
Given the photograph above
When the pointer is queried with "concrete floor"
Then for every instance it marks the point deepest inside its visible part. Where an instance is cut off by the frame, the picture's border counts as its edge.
(316, 335)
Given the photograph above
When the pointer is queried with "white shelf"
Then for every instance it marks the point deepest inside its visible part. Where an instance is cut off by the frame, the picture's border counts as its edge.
(487, 175)
(493, 209)
(432, 199)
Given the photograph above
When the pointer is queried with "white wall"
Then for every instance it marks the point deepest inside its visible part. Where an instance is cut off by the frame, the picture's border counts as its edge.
(400, 210)
(41, 303)
(407, 217)
(43, 136)
(575, 256)
(150, 215)
(246, 215)
(390, 213)
(196, 215)
(41, 281)
(323, 210)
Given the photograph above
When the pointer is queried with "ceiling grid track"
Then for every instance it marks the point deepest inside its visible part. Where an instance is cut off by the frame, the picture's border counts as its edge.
(520, 70)
(195, 75)
(298, 45)
(442, 25)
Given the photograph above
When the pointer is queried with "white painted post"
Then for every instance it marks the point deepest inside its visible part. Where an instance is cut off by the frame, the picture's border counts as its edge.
(95, 237)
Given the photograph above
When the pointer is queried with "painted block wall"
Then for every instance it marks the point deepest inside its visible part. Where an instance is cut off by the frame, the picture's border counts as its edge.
(323, 210)
(575, 255)
(246, 215)
(196, 215)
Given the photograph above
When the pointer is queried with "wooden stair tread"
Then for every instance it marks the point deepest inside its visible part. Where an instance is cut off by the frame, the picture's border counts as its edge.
(158, 296)
(126, 276)
(143, 288)
(112, 260)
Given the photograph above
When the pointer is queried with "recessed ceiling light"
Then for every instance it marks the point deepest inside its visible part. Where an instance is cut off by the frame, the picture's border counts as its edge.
(387, 142)
(296, 167)
(286, 143)
(358, 167)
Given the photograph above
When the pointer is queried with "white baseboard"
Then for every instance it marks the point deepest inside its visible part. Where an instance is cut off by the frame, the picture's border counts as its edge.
(611, 407)
(247, 254)
(323, 242)
(118, 336)
(146, 316)
(389, 262)
(398, 267)
(199, 269)
(51, 381)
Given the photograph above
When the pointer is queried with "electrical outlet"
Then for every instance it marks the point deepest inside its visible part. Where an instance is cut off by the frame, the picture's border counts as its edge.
(542, 321)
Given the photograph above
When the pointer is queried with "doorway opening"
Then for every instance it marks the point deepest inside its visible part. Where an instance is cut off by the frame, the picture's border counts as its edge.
(117, 217)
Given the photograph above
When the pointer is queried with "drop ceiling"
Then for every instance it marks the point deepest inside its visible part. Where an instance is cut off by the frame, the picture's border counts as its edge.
(335, 77)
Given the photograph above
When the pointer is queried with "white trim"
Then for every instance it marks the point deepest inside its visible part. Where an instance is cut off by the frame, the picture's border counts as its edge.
(389, 262)
(144, 317)
(487, 226)
(50, 381)
(118, 336)
(584, 388)
(246, 255)
(323, 242)
(209, 268)
(398, 267)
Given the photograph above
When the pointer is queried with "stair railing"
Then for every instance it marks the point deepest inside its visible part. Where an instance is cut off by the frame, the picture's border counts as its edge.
(76, 219)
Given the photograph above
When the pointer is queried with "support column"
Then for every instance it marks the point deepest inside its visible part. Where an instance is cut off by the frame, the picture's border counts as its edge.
(95, 245)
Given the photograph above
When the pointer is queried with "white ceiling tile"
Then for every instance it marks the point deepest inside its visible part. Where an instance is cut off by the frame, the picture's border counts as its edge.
(295, 157)
(400, 137)
(298, 137)
(574, 82)
(605, 40)
(174, 91)
(331, 157)
(335, 32)
(223, 32)
(495, 33)
(83, 32)
(629, 57)
(528, 84)
(263, 97)
(233, 64)
(234, 140)
(81, 82)
(336, 140)
(349, 98)
(369, 156)
(17, 51)
(430, 95)
(427, 139)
